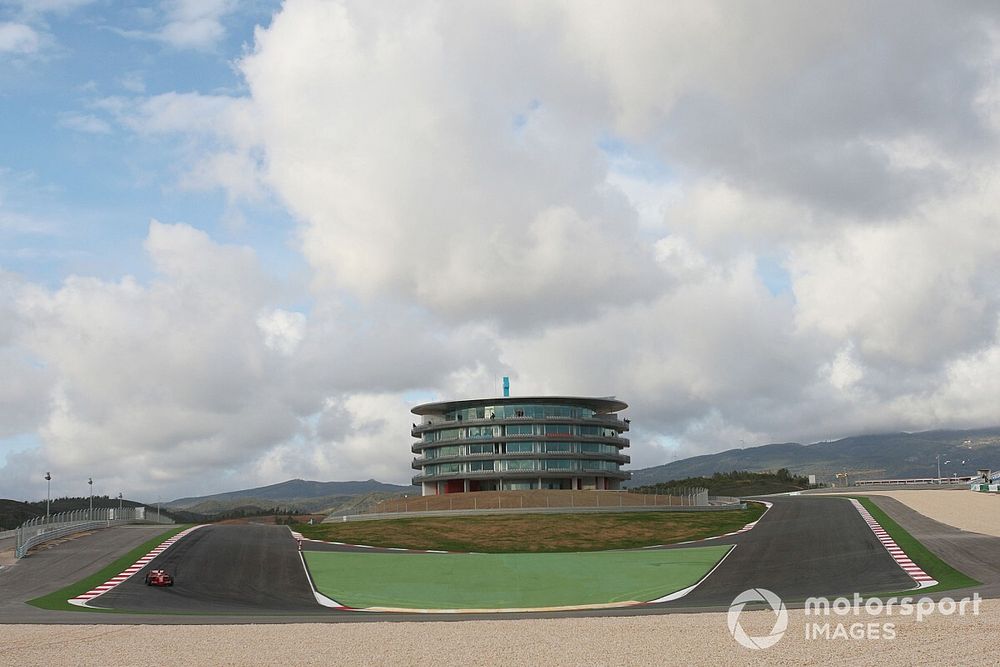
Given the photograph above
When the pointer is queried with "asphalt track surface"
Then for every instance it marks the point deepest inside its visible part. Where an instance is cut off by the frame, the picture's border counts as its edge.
(224, 574)
(222, 569)
(803, 547)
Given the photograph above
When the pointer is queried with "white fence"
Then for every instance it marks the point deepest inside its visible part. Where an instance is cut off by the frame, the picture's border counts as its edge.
(42, 529)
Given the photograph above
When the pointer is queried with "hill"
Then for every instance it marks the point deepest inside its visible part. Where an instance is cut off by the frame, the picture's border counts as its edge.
(13, 512)
(295, 494)
(863, 457)
(735, 483)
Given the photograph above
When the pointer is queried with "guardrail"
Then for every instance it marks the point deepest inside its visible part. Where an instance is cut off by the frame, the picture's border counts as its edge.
(42, 529)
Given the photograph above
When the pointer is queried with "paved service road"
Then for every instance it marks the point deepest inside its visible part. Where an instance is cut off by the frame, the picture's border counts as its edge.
(223, 568)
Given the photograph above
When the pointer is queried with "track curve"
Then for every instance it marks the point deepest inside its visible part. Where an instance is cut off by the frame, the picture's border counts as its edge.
(222, 569)
(802, 547)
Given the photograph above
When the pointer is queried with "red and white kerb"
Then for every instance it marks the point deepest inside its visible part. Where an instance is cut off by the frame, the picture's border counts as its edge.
(83, 599)
(922, 579)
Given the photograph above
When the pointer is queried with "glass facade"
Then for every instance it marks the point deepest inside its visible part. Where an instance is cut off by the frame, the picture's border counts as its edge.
(520, 447)
(513, 411)
(518, 430)
(523, 444)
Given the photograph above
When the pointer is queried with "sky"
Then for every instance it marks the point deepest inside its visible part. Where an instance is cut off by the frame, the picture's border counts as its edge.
(240, 240)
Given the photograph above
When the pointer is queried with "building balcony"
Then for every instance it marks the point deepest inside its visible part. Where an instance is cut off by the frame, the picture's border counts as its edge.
(420, 461)
(621, 425)
(522, 474)
(551, 437)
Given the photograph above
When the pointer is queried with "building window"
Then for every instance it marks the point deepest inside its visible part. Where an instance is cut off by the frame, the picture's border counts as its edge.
(519, 485)
(482, 432)
(520, 464)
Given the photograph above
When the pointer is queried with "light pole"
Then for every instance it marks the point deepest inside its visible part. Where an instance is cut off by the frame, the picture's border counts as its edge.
(48, 494)
(90, 481)
(939, 468)
(119, 504)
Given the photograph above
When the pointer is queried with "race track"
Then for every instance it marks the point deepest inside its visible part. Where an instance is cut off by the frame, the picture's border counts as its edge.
(802, 547)
(223, 569)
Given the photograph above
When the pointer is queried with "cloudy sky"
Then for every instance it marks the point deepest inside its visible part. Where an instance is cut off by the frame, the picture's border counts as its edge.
(239, 240)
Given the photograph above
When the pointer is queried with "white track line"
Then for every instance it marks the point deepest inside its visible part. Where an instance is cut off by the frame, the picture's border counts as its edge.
(677, 595)
(748, 527)
(922, 579)
(97, 591)
(320, 598)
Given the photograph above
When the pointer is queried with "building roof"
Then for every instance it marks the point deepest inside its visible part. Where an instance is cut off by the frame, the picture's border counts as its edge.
(602, 405)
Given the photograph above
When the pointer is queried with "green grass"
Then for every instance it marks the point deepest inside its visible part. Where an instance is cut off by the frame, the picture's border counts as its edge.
(948, 578)
(57, 600)
(537, 533)
(503, 581)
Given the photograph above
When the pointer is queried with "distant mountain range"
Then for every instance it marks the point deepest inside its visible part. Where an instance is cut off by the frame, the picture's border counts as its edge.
(891, 455)
(862, 457)
(300, 494)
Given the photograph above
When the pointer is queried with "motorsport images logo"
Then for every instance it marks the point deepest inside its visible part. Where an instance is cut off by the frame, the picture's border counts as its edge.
(780, 621)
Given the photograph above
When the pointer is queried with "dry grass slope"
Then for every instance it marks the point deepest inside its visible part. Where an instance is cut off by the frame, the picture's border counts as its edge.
(537, 532)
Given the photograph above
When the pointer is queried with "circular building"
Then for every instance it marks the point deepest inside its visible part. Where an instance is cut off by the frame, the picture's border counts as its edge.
(520, 443)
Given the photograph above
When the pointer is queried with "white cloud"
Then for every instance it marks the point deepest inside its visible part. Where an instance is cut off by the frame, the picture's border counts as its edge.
(425, 167)
(578, 194)
(85, 123)
(187, 24)
(18, 38)
(195, 24)
(282, 330)
(200, 376)
(133, 82)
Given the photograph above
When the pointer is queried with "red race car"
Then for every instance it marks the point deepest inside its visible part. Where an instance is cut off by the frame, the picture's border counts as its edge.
(159, 578)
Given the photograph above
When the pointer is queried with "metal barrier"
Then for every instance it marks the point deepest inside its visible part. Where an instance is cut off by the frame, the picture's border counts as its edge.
(42, 529)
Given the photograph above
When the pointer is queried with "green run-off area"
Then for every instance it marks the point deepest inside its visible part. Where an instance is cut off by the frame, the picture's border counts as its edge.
(502, 581)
